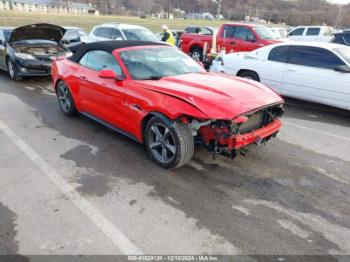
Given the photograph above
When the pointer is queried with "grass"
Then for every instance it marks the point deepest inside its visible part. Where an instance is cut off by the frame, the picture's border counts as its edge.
(11, 18)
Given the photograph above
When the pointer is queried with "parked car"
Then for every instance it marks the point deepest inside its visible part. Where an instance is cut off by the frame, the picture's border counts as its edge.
(29, 50)
(317, 72)
(162, 98)
(280, 32)
(311, 34)
(78, 30)
(342, 38)
(177, 34)
(233, 37)
(73, 36)
(115, 31)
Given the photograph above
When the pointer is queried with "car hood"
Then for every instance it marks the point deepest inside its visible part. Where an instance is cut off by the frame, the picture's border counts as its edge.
(217, 96)
(38, 32)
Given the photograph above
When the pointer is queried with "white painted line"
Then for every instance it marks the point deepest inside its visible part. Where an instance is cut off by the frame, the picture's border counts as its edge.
(92, 213)
(243, 210)
(30, 88)
(317, 131)
(330, 175)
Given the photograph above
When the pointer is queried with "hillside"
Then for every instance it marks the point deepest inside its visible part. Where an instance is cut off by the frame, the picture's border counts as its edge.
(293, 12)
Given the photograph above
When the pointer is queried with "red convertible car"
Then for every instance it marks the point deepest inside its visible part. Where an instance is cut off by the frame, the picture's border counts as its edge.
(158, 96)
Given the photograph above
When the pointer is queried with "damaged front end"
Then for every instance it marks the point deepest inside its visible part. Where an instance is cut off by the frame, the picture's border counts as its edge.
(232, 137)
(36, 60)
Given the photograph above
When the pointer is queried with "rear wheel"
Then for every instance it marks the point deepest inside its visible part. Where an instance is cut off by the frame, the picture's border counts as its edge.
(65, 100)
(12, 70)
(196, 53)
(250, 75)
(170, 145)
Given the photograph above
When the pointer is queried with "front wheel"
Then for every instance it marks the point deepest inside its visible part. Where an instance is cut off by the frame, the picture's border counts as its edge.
(197, 54)
(13, 70)
(170, 145)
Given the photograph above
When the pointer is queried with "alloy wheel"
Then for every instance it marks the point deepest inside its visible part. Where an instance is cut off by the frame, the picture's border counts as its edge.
(11, 69)
(196, 56)
(64, 97)
(161, 143)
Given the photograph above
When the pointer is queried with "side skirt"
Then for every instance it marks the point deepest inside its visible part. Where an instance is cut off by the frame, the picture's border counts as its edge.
(116, 129)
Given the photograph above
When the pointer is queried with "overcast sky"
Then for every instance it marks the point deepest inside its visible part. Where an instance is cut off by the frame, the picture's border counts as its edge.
(340, 1)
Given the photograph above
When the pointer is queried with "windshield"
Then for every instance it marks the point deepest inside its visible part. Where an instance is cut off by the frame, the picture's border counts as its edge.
(344, 52)
(155, 63)
(264, 33)
(7, 34)
(140, 34)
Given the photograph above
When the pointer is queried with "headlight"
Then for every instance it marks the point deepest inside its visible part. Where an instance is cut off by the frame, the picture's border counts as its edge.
(25, 56)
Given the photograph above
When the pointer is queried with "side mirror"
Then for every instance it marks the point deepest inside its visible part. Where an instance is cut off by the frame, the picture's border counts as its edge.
(1, 42)
(342, 69)
(109, 74)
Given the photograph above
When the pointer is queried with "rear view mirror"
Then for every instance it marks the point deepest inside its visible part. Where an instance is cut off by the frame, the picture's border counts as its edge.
(342, 69)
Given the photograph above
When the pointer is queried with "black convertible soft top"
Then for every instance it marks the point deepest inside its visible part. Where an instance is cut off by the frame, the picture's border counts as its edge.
(107, 46)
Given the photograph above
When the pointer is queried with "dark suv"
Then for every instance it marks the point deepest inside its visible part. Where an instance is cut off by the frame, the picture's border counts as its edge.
(342, 38)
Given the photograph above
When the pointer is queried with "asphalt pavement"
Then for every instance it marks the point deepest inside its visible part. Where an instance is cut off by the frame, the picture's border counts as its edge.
(72, 186)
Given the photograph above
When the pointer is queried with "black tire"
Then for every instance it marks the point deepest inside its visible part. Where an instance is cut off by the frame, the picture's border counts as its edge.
(178, 143)
(12, 70)
(197, 54)
(65, 100)
(250, 75)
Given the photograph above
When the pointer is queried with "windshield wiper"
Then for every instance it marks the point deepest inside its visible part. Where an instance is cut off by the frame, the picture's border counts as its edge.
(153, 78)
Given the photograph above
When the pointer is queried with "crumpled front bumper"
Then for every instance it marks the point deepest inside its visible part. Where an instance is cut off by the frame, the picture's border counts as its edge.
(255, 137)
(221, 139)
(33, 67)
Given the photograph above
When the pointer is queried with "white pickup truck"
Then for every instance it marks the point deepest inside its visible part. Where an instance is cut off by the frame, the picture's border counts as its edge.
(311, 34)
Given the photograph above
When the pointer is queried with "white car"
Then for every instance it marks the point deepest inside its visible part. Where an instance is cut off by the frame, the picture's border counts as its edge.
(280, 32)
(312, 34)
(115, 31)
(317, 72)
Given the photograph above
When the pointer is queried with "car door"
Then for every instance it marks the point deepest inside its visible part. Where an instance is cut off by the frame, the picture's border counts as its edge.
(2, 50)
(311, 75)
(102, 98)
(272, 70)
(313, 34)
(297, 34)
(245, 39)
(227, 39)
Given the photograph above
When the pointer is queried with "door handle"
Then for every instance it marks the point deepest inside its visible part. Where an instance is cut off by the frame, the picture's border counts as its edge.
(233, 42)
(82, 77)
(292, 70)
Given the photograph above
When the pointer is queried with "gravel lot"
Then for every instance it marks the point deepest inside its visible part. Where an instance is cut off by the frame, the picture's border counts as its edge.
(71, 186)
